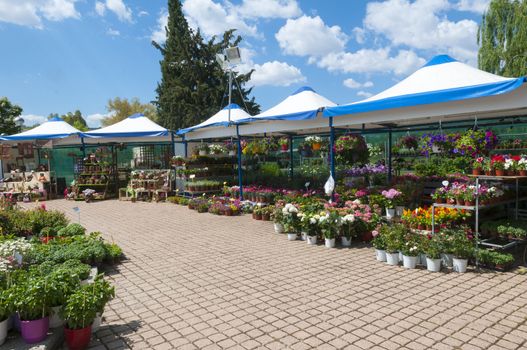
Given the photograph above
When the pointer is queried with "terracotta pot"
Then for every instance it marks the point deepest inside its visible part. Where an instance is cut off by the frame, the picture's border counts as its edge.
(469, 203)
(266, 217)
(257, 216)
(500, 172)
(46, 239)
(77, 339)
(523, 172)
(460, 201)
(476, 171)
(440, 200)
(367, 236)
(488, 172)
(316, 146)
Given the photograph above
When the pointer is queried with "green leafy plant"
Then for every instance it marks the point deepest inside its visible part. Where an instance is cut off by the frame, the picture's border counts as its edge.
(31, 298)
(72, 230)
(103, 292)
(80, 309)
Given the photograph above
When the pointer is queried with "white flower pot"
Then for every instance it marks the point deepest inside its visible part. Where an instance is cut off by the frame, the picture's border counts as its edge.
(312, 240)
(390, 213)
(3, 330)
(329, 242)
(291, 236)
(422, 259)
(433, 265)
(392, 258)
(96, 322)
(380, 255)
(278, 228)
(447, 259)
(303, 236)
(345, 241)
(55, 320)
(399, 210)
(202, 153)
(409, 262)
(460, 265)
(400, 256)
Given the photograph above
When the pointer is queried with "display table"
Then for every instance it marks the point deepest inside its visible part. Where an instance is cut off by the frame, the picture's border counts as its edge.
(35, 185)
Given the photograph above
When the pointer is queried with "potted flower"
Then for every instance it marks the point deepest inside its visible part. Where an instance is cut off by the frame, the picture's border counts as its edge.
(522, 166)
(278, 218)
(33, 309)
(78, 314)
(379, 243)
(103, 292)
(391, 198)
(47, 234)
(315, 142)
(6, 308)
(347, 229)
(432, 248)
(257, 213)
(266, 213)
(329, 225)
(440, 195)
(393, 244)
(351, 149)
(498, 164)
(310, 225)
(477, 166)
(462, 248)
(510, 166)
(290, 221)
(203, 149)
(284, 143)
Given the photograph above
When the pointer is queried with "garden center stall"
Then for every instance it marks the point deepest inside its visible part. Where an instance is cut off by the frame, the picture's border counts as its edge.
(29, 174)
(429, 139)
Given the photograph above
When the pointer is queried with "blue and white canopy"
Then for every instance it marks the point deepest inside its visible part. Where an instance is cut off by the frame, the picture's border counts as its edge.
(443, 84)
(55, 128)
(136, 125)
(221, 118)
(303, 104)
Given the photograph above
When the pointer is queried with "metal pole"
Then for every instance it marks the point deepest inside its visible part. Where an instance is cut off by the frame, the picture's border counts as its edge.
(331, 150)
(230, 94)
(185, 144)
(476, 226)
(389, 156)
(173, 143)
(83, 148)
(240, 182)
(38, 156)
(291, 157)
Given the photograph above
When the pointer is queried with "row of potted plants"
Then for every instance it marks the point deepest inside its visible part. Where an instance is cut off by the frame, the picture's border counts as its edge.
(421, 218)
(509, 229)
(203, 186)
(501, 165)
(453, 246)
(465, 193)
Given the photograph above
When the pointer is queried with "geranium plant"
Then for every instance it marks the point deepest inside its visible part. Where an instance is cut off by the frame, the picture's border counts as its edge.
(392, 197)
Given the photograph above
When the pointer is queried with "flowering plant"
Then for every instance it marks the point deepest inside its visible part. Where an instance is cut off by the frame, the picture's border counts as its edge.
(309, 223)
(379, 241)
(462, 243)
(432, 246)
(391, 197)
(283, 141)
(329, 223)
(290, 218)
(478, 163)
(522, 163)
(498, 162)
(310, 140)
(475, 142)
(409, 142)
(348, 225)
(352, 149)
(230, 146)
(412, 245)
(216, 149)
(435, 143)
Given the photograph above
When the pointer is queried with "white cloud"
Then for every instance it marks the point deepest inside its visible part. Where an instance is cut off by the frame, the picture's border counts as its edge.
(310, 36)
(213, 19)
(33, 119)
(364, 94)
(369, 61)
(94, 120)
(276, 74)
(142, 13)
(270, 9)
(476, 6)
(353, 84)
(118, 7)
(100, 8)
(159, 35)
(30, 12)
(421, 24)
(113, 32)
(360, 35)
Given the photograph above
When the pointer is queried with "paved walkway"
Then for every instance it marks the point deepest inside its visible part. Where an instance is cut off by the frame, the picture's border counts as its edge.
(199, 281)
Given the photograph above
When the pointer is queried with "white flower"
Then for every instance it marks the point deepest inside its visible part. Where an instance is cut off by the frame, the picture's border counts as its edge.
(312, 221)
(356, 201)
(445, 183)
(508, 164)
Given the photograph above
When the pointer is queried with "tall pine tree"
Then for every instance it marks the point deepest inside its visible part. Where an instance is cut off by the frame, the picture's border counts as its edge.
(503, 38)
(193, 86)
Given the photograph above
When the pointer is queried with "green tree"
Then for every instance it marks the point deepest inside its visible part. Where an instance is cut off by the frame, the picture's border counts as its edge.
(193, 86)
(8, 113)
(502, 37)
(121, 108)
(74, 119)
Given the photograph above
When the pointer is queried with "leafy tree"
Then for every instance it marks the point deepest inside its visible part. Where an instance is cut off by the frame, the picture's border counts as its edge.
(193, 86)
(74, 119)
(8, 113)
(502, 37)
(122, 108)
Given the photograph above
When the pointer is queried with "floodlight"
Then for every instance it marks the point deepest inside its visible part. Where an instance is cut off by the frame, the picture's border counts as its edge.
(220, 58)
(233, 55)
(19, 121)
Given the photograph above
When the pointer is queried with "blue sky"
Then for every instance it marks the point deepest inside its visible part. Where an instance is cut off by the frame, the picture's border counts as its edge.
(63, 55)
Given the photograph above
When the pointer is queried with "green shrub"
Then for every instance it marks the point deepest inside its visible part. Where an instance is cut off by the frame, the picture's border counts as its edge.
(72, 230)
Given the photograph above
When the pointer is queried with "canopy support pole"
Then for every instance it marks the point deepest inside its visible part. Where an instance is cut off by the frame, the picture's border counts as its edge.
(185, 144)
(291, 157)
(38, 155)
(332, 151)
(173, 144)
(389, 156)
(83, 147)
(240, 180)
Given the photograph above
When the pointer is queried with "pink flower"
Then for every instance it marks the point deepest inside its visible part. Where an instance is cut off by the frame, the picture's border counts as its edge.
(374, 233)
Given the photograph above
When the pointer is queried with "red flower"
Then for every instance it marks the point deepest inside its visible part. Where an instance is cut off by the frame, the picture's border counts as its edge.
(516, 158)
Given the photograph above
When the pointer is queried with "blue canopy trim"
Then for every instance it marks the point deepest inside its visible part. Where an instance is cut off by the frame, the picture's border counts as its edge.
(302, 89)
(186, 130)
(428, 97)
(95, 135)
(231, 106)
(35, 137)
(304, 115)
(136, 115)
(439, 59)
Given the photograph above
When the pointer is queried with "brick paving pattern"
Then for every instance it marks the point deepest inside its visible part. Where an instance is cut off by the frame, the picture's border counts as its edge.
(199, 281)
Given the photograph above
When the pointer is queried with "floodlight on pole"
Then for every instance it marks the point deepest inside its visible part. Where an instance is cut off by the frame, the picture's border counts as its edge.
(227, 60)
